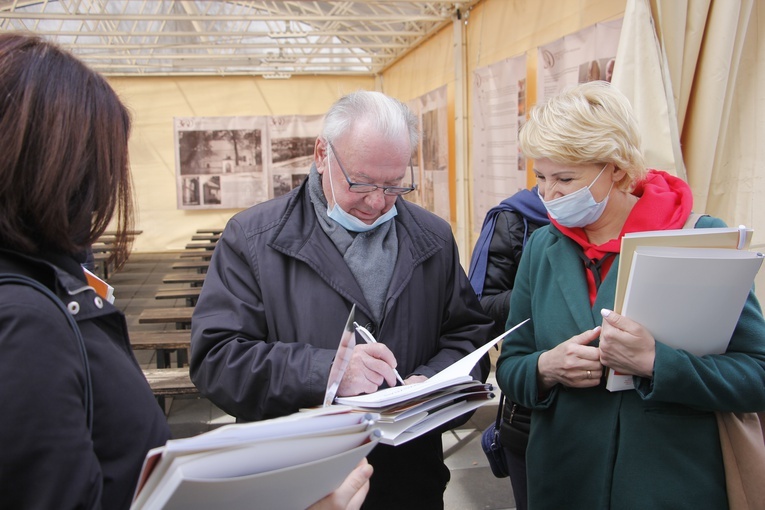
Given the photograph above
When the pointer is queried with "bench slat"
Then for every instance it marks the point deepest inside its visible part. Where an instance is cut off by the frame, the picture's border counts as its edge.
(186, 293)
(170, 381)
(205, 246)
(203, 254)
(196, 278)
(148, 340)
(205, 237)
(164, 315)
(191, 264)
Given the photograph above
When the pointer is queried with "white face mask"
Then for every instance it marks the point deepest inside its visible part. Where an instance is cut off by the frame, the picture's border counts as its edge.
(577, 209)
(349, 221)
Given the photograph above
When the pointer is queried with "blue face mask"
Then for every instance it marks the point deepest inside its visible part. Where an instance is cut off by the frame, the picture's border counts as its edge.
(577, 209)
(349, 221)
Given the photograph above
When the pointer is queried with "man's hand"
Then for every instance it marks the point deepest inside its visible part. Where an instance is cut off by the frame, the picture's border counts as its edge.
(413, 379)
(370, 365)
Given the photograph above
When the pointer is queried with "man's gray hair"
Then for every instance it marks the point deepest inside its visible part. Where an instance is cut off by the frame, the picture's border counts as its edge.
(389, 116)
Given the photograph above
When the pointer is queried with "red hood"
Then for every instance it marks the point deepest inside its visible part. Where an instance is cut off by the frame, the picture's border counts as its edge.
(665, 202)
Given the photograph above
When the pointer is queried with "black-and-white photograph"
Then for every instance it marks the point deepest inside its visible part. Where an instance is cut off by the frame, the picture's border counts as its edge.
(291, 157)
(431, 158)
(282, 184)
(190, 192)
(222, 151)
(211, 190)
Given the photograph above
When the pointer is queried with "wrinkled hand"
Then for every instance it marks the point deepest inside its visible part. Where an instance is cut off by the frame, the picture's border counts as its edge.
(626, 346)
(572, 363)
(370, 365)
(350, 495)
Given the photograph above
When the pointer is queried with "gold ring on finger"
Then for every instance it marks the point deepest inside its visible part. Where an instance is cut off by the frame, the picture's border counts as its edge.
(589, 374)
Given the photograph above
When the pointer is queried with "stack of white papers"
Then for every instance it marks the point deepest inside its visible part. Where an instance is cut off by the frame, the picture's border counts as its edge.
(406, 412)
(289, 462)
(687, 287)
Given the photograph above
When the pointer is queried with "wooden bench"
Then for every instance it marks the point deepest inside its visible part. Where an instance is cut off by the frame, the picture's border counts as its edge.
(180, 315)
(102, 247)
(190, 294)
(204, 246)
(193, 278)
(164, 342)
(171, 340)
(206, 237)
(209, 231)
(200, 265)
(170, 381)
(199, 254)
(103, 263)
(166, 382)
(107, 239)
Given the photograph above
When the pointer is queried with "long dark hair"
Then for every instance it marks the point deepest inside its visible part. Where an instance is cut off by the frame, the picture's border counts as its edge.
(64, 170)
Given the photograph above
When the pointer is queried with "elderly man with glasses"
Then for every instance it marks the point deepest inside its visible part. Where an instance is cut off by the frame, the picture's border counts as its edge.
(286, 273)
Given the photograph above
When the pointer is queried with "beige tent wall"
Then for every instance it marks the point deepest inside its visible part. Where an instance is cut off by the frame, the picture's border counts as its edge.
(494, 30)
(155, 101)
(421, 71)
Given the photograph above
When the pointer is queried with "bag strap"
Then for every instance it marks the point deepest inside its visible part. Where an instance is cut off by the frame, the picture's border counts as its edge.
(501, 405)
(24, 280)
(693, 218)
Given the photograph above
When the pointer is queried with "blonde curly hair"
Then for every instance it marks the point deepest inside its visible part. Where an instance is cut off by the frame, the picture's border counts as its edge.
(591, 123)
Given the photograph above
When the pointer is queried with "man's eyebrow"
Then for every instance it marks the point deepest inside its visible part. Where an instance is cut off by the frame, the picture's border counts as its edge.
(361, 175)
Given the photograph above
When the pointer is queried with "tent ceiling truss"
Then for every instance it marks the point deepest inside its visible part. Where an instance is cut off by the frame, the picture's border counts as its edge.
(273, 39)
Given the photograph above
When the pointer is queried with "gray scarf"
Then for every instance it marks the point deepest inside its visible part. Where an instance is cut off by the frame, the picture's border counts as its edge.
(371, 256)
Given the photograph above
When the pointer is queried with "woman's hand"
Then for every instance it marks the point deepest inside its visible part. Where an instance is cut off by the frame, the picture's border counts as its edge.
(572, 363)
(626, 346)
(350, 495)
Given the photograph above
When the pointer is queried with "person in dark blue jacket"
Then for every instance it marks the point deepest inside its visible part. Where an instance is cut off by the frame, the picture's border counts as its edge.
(496, 256)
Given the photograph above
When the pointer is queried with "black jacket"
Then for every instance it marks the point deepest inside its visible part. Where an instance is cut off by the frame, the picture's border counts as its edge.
(505, 250)
(277, 295)
(49, 457)
(504, 256)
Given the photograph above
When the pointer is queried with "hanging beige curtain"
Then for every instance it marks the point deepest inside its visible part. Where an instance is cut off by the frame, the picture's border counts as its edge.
(712, 56)
(641, 73)
(693, 71)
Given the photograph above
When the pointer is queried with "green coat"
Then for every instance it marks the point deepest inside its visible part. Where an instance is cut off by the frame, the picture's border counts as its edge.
(653, 448)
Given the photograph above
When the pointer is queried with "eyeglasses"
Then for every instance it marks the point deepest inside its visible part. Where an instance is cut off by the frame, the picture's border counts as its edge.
(359, 187)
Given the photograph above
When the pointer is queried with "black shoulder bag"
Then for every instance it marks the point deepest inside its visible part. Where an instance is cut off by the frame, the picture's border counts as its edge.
(495, 454)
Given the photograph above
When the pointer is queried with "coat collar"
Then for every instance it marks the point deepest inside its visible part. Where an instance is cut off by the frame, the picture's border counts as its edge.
(299, 225)
(297, 234)
(61, 274)
(572, 282)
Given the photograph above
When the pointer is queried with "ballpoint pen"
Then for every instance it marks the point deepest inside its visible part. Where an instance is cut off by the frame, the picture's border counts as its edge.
(368, 338)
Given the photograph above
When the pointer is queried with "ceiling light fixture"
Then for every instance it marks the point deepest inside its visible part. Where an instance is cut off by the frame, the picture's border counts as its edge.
(287, 35)
(277, 76)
